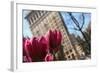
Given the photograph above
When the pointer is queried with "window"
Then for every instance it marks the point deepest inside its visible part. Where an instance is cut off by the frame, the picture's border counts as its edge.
(67, 52)
(70, 50)
(69, 57)
(30, 21)
(46, 25)
(42, 12)
(37, 32)
(39, 12)
(36, 15)
(73, 57)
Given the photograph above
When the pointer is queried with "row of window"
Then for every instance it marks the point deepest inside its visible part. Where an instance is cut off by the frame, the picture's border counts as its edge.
(70, 51)
(70, 55)
(36, 15)
(44, 25)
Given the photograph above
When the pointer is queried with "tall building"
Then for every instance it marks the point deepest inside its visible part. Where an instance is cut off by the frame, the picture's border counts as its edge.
(42, 21)
(77, 46)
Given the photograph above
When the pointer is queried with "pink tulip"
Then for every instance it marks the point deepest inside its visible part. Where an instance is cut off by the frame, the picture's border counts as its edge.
(36, 49)
(39, 48)
(49, 57)
(55, 38)
(26, 42)
(43, 46)
(28, 47)
(24, 52)
(27, 59)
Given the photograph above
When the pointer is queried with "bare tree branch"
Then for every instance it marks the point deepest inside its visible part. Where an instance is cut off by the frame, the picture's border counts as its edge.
(74, 29)
(83, 20)
(74, 19)
(80, 28)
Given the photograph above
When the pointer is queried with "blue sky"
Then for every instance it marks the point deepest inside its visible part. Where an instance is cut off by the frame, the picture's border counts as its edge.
(78, 15)
(26, 28)
(69, 23)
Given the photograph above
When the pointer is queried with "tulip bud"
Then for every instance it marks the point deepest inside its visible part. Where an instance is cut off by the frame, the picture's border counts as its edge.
(49, 57)
(55, 38)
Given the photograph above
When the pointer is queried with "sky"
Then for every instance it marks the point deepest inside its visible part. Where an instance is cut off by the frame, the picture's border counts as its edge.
(26, 28)
(78, 15)
(69, 23)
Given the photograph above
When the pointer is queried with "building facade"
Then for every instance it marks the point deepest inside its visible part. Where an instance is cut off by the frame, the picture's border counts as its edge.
(77, 46)
(42, 21)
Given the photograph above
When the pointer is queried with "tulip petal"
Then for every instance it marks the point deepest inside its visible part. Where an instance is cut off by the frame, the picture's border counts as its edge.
(59, 38)
(55, 38)
(27, 59)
